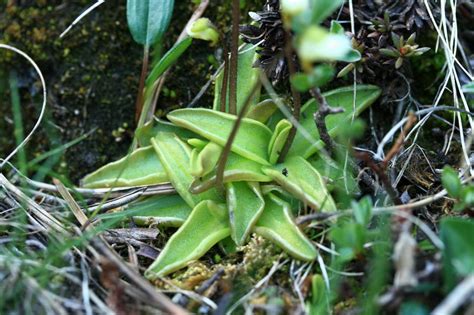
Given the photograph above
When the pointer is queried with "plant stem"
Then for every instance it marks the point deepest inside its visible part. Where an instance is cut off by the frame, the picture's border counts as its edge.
(225, 79)
(228, 145)
(234, 57)
(196, 15)
(141, 84)
(320, 118)
(296, 98)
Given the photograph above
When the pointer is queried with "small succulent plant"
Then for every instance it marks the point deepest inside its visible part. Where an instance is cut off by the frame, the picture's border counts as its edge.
(260, 194)
(403, 49)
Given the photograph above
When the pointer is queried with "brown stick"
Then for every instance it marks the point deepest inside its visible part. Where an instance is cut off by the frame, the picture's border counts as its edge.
(225, 78)
(141, 84)
(320, 118)
(103, 247)
(397, 146)
(234, 57)
(228, 145)
(382, 175)
(296, 98)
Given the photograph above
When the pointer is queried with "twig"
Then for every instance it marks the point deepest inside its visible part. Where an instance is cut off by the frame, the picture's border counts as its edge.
(75, 208)
(461, 294)
(228, 145)
(81, 16)
(379, 170)
(141, 84)
(234, 57)
(320, 118)
(207, 284)
(101, 245)
(397, 146)
(46, 220)
(225, 78)
(296, 97)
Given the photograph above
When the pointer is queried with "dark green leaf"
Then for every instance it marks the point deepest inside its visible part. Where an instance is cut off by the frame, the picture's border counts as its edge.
(167, 60)
(451, 182)
(362, 210)
(148, 19)
(458, 235)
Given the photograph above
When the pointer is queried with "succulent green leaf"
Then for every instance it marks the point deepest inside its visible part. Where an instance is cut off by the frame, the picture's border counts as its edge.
(175, 154)
(237, 169)
(151, 129)
(336, 28)
(457, 235)
(141, 167)
(251, 140)
(352, 55)
(458, 253)
(197, 143)
(276, 224)
(451, 182)
(247, 77)
(148, 19)
(168, 59)
(207, 225)
(204, 161)
(169, 210)
(278, 140)
(298, 177)
(262, 111)
(362, 210)
(319, 300)
(245, 204)
(342, 97)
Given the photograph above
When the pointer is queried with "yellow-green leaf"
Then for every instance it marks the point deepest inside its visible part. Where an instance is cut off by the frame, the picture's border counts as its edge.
(169, 210)
(342, 97)
(141, 167)
(207, 225)
(245, 204)
(247, 77)
(151, 129)
(278, 140)
(204, 161)
(298, 177)
(276, 224)
(251, 140)
(262, 111)
(237, 169)
(175, 154)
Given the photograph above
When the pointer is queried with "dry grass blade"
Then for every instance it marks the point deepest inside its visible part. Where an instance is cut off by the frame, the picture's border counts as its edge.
(111, 256)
